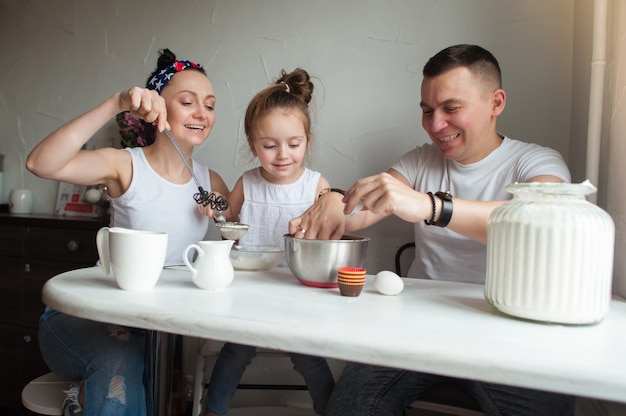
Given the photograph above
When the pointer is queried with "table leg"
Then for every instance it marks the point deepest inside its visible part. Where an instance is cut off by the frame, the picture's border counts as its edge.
(160, 364)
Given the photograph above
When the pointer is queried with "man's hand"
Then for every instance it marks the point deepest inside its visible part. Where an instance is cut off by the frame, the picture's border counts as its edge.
(388, 194)
(324, 220)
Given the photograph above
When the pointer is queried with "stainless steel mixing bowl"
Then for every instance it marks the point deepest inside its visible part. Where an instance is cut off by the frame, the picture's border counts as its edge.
(315, 262)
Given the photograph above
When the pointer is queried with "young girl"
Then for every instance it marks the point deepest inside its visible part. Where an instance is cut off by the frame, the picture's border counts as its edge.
(150, 189)
(278, 128)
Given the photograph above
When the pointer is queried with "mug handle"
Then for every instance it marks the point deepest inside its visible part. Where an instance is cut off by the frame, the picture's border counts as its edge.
(186, 258)
(102, 243)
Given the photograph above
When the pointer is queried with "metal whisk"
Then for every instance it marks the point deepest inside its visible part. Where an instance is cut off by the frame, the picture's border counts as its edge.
(202, 197)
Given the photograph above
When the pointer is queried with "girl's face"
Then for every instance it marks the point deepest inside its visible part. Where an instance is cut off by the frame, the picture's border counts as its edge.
(190, 105)
(280, 145)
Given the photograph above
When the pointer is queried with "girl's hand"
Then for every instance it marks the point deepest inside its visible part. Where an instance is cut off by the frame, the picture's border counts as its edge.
(145, 104)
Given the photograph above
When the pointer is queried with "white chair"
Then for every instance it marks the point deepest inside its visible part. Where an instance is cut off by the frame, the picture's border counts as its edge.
(44, 395)
(208, 350)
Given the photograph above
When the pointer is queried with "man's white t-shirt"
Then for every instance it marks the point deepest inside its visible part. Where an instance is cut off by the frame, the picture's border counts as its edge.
(441, 253)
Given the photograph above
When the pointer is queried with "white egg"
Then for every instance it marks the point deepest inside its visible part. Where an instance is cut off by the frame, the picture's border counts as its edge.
(93, 195)
(388, 283)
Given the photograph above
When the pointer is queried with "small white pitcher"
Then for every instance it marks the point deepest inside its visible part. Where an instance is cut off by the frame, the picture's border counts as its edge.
(212, 269)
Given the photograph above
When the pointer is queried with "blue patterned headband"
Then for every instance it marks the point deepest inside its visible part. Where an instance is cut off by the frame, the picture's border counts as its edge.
(160, 80)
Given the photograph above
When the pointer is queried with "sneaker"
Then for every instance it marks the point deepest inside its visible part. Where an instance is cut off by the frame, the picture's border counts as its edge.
(71, 405)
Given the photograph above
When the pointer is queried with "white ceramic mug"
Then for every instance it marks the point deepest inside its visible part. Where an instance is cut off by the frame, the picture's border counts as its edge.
(135, 257)
(21, 201)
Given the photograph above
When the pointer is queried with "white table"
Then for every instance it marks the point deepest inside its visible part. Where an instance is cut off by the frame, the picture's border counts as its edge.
(437, 327)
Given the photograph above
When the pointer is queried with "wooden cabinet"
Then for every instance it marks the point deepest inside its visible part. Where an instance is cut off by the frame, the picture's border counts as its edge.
(33, 248)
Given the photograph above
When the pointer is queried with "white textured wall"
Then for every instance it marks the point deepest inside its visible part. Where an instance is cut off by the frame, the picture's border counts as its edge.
(61, 57)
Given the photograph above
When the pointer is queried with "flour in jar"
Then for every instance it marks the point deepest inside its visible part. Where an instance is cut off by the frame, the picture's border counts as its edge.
(550, 255)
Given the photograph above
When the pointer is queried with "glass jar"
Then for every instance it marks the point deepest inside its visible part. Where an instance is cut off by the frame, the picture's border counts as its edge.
(550, 254)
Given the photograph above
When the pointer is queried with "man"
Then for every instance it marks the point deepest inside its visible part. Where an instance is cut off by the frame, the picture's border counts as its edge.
(447, 189)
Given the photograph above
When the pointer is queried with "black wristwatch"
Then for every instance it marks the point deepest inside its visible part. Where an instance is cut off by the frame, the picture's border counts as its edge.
(446, 209)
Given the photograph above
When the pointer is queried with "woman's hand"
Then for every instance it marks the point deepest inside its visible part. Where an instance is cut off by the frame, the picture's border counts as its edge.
(145, 104)
(212, 212)
(207, 210)
(324, 220)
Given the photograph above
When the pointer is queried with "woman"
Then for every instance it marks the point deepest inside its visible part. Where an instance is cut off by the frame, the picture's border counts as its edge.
(150, 188)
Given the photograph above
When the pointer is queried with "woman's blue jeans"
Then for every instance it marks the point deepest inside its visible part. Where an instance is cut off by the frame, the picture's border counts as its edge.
(232, 363)
(108, 358)
(367, 390)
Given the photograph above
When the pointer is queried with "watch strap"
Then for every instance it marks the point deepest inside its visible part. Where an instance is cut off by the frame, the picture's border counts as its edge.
(446, 208)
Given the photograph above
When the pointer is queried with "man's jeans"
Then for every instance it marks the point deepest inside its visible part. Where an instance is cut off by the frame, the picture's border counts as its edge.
(366, 390)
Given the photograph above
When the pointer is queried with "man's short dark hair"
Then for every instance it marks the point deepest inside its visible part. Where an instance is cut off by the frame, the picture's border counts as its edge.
(478, 60)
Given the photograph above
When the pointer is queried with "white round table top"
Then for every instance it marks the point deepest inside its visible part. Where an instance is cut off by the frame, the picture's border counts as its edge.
(438, 327)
